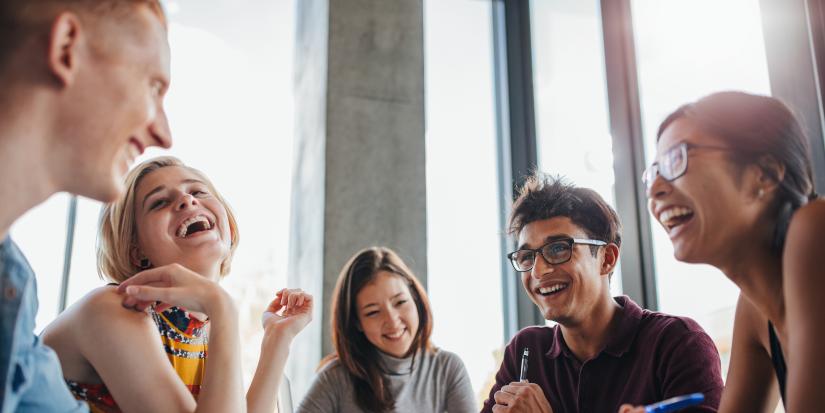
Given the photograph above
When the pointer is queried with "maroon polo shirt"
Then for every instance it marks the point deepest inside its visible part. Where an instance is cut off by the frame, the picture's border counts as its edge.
(649, 357)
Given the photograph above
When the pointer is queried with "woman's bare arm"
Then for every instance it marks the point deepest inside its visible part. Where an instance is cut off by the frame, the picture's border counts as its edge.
(804, 285)
(295, 308)
(222, 388)
(751, 385)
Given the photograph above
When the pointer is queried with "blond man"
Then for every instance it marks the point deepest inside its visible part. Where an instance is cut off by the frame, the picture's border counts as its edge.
(82, 96)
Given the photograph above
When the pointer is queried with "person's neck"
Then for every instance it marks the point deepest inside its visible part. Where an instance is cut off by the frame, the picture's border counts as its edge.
(757, 271)
(212, 273)
(25, 181)
(587, 338)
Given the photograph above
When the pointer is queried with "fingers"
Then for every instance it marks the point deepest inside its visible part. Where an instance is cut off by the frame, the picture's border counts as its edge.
(160, 276)
(518, 396)
(627, 408)
(133, 303)
(291, 299)
(274, 306)
(503, 398)
(157, 277)
(146, 295)
(516, 387)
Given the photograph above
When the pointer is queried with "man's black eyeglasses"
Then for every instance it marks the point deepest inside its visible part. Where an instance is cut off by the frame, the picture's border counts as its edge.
(554, 252)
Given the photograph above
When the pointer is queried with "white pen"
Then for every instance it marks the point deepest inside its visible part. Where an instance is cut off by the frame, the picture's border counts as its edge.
(522, 377)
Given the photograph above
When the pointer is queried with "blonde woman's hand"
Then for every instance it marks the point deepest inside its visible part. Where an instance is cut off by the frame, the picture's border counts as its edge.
(626, 408)
(289, 312)
(175, 285)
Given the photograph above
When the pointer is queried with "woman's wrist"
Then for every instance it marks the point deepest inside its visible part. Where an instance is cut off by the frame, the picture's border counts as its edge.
(277, 339)
(220, 305)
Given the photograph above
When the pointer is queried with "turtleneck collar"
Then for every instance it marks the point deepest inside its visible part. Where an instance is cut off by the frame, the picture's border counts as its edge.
(397, 366)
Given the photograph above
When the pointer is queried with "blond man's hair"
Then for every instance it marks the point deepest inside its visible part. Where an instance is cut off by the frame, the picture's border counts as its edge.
(21, 19)
(118, 227)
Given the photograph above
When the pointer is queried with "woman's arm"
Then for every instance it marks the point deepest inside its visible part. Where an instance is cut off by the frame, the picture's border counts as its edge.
(279, 331)
(125, 351)
(222, 388)
(751, 385)
(804, 285)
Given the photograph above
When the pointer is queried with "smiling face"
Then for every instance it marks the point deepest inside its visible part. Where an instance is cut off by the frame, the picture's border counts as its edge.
(179, 219)
(114, 103)
(566, 293)
(387, 314)
(710, 209)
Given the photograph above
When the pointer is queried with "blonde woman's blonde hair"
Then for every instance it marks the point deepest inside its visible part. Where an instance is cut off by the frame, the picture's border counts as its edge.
(118, 229)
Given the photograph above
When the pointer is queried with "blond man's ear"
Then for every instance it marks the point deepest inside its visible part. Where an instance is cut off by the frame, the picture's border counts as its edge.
(65, 42)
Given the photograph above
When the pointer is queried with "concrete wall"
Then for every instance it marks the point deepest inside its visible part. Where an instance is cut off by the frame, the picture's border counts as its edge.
(360, 168)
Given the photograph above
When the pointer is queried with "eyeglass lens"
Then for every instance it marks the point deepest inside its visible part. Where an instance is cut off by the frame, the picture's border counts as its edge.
(554, 252)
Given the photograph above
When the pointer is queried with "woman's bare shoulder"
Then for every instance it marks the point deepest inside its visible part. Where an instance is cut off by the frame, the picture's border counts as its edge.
(803, 241)
(102, 300)
(802, 258)
(101, 309)
(812, 213)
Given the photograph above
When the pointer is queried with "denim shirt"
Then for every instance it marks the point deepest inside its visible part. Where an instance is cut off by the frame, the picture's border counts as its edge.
(31, 379)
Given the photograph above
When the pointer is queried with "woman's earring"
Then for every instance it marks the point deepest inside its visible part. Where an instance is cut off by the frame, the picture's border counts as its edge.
(144, 263)
(760, 193)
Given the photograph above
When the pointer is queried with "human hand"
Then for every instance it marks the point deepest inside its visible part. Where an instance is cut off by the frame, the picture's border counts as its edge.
(521, 397)
(627, 408)
(295, 308)
(176, 285)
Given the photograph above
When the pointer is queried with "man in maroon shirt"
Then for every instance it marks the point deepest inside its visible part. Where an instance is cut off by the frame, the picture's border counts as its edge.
(604, 351)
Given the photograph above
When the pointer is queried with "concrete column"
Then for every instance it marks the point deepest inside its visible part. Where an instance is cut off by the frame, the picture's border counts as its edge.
(359, 178)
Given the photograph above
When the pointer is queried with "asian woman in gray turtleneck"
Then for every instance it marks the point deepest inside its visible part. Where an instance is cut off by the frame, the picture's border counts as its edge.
(383, 359)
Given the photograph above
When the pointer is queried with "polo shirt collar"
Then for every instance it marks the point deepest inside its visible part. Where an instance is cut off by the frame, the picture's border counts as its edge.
(620, 339)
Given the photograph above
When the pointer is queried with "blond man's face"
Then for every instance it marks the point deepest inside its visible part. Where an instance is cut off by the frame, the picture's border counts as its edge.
(117, 104)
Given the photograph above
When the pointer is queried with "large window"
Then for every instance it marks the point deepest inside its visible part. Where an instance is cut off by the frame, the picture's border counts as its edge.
(41, 235)
(464, 257)
(572, 123)
(684, 52)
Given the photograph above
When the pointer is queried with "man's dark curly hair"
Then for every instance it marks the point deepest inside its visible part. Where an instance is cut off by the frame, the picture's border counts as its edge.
(544, 197)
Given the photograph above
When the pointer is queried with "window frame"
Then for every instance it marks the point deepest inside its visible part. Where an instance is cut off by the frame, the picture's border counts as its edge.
(800, 84)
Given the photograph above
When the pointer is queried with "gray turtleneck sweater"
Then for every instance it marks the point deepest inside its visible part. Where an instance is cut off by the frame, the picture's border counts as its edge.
(437, 382)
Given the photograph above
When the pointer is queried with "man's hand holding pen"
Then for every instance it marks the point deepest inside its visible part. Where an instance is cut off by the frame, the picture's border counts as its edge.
(521, 397)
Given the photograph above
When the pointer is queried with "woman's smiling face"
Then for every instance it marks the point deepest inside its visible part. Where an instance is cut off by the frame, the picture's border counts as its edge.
(706, 211)
(387, 314)
(179, 220)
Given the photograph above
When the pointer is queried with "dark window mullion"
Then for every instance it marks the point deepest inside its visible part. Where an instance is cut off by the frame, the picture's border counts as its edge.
(816, 17)
(638, 271)
(516, 137)
(795, 50)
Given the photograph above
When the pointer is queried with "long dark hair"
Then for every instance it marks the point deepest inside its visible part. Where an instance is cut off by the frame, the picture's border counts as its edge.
(352, 349)
(756, 126)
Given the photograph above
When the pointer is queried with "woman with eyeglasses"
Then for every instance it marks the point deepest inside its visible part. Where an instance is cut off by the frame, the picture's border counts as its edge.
(732, 186)
(383, 359)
